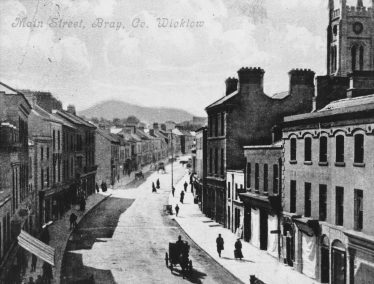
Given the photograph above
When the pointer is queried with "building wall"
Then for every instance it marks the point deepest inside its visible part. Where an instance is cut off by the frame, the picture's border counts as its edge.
(234, 206)
(103, 147)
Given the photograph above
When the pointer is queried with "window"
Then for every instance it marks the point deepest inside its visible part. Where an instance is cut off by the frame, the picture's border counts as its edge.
(249, 175)
(257, 176)
(228, 190)
(216, 125)
(222, 162)
(210, 121)
(54, 140)
(216, 161)
(359, 209)
(339, 206)
(353, 57)
(58, 140)
(361, 58)
(236, 191)
(47, 153)
(293, 149)
(42, 178)
(41, 153)
(293, 196)
(340, 149)
(223, 124)
(359, 148)
(308, 199)
(266, 174)
(47, 177)
(322, 202)
(275, 178)
(323, 149)
(308, 149)
(210, 160)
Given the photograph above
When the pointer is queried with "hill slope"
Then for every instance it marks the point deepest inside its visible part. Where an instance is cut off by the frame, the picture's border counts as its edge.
(118, 109)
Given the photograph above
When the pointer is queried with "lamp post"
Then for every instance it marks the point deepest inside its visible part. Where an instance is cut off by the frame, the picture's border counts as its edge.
(172, 159)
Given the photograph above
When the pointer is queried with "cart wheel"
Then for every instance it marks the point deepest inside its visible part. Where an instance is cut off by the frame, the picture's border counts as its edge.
(166, 259)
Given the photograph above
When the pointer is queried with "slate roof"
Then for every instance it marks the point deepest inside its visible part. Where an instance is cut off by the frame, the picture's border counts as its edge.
(107, 135)
(74, 118)
(343, 106)
(222, 100)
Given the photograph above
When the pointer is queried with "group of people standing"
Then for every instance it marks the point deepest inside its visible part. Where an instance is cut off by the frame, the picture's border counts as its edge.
(154, 188)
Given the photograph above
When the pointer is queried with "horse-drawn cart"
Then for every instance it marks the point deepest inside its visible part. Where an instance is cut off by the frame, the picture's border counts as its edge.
(179, 255)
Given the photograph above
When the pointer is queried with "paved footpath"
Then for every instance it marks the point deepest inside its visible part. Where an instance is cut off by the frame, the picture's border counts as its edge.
(204, 232)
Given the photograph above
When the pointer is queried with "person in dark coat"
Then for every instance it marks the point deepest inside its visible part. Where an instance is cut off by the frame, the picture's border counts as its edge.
(238, 249)
(219, 242)
(45, 235)
(176, 210)
(47, 273)
(158, 184)
(182, 197)
(82, 204)
(33, 262)
(39, 280)
(104, 187)
(97, 188)
(173, 190)
(73, 220)
(185, 186)
(153, 187)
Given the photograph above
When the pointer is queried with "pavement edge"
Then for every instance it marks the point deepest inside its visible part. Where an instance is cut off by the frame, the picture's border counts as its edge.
(58, 268)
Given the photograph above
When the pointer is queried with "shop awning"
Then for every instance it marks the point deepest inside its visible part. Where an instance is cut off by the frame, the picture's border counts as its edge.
(36, 247)
(308, 226)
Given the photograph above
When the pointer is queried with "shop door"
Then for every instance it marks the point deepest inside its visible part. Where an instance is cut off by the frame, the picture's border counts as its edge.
(228, 217)
(325, 265)
(247, 224)
(338, 266)
(263, 230)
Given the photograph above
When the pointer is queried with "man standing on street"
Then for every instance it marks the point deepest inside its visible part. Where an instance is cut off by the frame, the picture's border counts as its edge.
(185, 186)
(173, 190)
(219, 242)
(182, 197)
(176, 210)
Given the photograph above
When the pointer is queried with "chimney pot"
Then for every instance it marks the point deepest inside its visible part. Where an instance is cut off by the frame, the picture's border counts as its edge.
(231, 85)
(71, 109)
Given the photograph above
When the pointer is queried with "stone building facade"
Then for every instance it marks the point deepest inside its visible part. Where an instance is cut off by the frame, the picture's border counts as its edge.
(262, 201)
(17, 209)
(245, 116)
(328, 179)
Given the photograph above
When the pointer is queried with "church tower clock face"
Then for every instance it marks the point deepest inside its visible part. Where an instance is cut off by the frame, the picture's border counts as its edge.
(358, 27)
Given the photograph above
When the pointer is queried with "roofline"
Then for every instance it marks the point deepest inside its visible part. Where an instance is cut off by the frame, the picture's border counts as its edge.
(258, 147)
(16, 91)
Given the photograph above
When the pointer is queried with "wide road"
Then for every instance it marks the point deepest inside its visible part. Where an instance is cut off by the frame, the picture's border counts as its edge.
(124, 240)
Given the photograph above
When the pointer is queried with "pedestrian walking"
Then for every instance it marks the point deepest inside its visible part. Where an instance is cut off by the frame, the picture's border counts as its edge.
(47, 273)
(73, 220)
(104, 186)
(158, 184)
(97, 187)
(182, 197)
(176, 210)
(31, 281)
(173, 190)
(219, 242)
(153, 187)
(185, 186)
(82, 204)
(33, 262)
(238, 249)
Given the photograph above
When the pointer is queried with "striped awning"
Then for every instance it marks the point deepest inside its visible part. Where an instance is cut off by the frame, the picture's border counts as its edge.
(36, 247)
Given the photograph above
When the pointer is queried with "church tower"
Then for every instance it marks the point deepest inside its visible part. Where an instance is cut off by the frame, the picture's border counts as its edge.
(350, 37)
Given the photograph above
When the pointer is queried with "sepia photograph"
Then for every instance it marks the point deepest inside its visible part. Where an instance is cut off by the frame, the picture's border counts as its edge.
(186, 141)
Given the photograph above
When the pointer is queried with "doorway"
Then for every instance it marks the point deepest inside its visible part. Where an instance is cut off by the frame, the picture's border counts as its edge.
(247, 224)
(263, 230)
(290, 244)
(325, 260)
(338, 258)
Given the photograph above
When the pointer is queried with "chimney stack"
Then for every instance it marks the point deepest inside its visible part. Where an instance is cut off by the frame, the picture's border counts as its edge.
(301, 77)
(71, 109)
(231, 85)
(253, 77)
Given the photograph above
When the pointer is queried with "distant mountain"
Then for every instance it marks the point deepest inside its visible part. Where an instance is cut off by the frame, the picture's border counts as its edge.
(118, 109)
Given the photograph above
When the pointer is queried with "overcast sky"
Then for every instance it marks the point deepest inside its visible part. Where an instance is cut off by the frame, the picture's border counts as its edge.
(176, 67)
